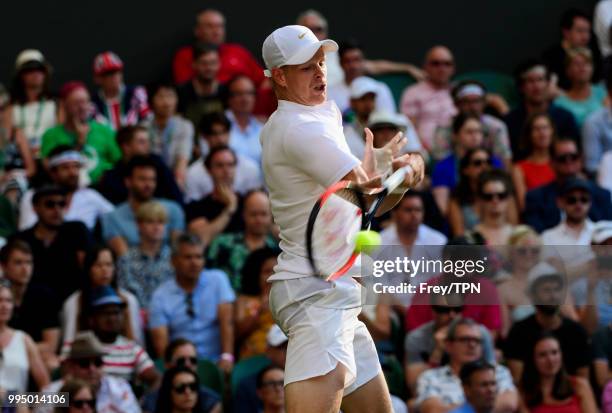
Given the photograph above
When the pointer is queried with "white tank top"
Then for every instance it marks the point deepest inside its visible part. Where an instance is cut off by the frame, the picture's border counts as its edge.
(14, 364)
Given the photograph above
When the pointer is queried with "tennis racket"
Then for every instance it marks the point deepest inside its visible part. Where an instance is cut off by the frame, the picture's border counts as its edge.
(336, 218)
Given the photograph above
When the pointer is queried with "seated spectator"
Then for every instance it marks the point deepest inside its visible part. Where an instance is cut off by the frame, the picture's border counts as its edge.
(362, 104)
(541, 209)
(122, 357)
(253, 315)
(245, 129)
(8, 219)
(545, 287)
(271, 390)
(144, 267)
(221, 210)
(182, 353)
(116, 103)
(575, 32)
(428, 104)
(51, 238)
(386, 125)
(353, 65)
(228, 252)
(463, 214)
(84, 362)
(214, 130)
(197, 305)
(95, 141)
(84, 204)
(179, 392)
(134, 141)
(99, 272)
(32, 109)
(535, 169)
(604, 172)
(582, 98)
(172, 137)
(601, 343)
(119, 227)
(425, 346)
(246, 400)
(469, 96)
(546, 386)
(439, 389)
(20, 355)
(202, 94)
(483, 307)
(28, 299)
(81, 397)
(532, 79)
(479, 387)
(592, 291)
(495, 201)
(467, 134)
(597, 134)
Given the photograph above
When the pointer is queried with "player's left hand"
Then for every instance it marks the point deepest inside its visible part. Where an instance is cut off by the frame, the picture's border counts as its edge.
(378, 161)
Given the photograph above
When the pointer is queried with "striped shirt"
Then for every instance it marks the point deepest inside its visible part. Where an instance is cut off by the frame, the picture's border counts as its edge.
(124, 358)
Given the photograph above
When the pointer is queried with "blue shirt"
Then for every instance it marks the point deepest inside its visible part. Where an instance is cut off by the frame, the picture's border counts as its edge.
(465, 408)
(122, 222)
(446, 172)
(246, 142)
(168, 308)
(597, 137)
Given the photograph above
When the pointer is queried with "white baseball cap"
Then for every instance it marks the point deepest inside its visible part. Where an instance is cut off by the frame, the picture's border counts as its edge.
(542, 270)
(275, 336)
(363, 85)
(385, 118)
(292, 45)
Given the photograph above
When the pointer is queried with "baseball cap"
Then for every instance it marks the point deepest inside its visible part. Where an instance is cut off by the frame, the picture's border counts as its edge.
(30, 59)
(542, 270)
(85, 345)
(602, 231)
(105, 295)
(383, 118)
(574, 183)
(107, 62)
(275, 336)
(363, 85)
(292, 45)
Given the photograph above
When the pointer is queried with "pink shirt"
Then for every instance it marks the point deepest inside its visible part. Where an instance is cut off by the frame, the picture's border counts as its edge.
(429, 108)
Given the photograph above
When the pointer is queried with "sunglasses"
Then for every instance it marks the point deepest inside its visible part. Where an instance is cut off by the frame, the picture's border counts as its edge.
(182, 388)
(246, 93)
(50, 204)
(272, 383)
(568, 157)
(468, 340)
(183, 361)
(490, 196)
(189, 302)
(573, 200)
(80, 403)
(443, 309)
(524, 251)
(480, 162)
(86, 363)
(446, 63)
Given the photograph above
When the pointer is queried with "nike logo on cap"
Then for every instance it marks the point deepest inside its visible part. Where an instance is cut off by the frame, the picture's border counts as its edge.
(301, 36)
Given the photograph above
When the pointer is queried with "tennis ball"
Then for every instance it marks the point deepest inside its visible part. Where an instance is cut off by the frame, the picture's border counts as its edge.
(367, 241)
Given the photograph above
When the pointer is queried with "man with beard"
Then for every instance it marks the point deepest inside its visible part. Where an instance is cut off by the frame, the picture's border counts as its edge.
(546, 287)
(119, 228)
(83, 204)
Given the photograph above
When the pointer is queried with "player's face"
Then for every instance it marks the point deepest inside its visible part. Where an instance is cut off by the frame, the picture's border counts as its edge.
(307, 83)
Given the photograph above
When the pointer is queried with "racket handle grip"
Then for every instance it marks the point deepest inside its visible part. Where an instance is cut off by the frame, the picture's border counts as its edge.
(397, 178)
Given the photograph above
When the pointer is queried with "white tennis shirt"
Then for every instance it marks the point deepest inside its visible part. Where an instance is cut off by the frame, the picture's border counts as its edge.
(304, 152)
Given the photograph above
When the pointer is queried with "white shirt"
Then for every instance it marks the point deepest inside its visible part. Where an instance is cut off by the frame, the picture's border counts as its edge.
(86, 206)
(341, 94)
(426, 235)
(601, 26)
(15, 365)
(564, 237)
(245, 142)
(198, 183)
(304, 152)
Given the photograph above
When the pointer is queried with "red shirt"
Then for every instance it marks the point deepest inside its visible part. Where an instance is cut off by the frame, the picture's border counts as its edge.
(481, 307)
(536, 174)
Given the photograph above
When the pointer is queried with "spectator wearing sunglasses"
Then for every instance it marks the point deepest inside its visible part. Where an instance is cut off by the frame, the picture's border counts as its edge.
(428, 103)
(179, 392)
(197, 304)
(541, 209)
(439, 389)
(52, 237)
(80, 395)
(535, 170)
(271, 390)
(84, 362)
(182, 353)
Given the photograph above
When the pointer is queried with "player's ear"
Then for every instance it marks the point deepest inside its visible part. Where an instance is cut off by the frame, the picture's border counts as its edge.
(279, 77)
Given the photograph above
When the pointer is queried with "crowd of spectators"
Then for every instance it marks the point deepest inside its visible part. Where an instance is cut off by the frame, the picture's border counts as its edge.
(136, 233)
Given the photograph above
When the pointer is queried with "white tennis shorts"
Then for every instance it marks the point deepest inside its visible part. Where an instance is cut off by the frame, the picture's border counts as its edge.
(320, 319)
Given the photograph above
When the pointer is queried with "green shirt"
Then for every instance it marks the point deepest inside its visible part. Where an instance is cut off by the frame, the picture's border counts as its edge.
(228, 252)
(101, 149)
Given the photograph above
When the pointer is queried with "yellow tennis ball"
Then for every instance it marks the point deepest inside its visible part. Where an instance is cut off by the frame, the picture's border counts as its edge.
(367, 241)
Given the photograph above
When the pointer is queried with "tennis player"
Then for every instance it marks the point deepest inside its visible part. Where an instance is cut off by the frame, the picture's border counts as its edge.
(331, 358)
